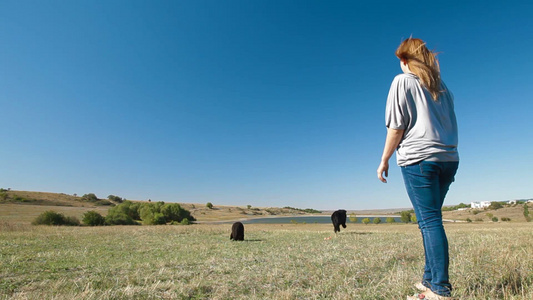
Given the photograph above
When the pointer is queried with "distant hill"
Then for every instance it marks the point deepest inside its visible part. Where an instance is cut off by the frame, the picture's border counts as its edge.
(50, 199)
(24, 206)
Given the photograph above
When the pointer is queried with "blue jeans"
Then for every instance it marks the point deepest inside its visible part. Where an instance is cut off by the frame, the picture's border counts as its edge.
(427, 183)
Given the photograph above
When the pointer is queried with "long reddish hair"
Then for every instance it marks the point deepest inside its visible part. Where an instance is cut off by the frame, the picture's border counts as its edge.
(423, 63)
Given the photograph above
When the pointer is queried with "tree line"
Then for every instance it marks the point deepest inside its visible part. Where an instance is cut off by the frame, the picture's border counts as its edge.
(126, 213)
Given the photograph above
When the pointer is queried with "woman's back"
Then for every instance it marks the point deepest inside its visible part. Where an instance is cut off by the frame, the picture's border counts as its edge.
(430, 125)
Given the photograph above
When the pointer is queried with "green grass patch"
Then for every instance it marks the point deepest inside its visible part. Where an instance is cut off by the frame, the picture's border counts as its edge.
(274, 262)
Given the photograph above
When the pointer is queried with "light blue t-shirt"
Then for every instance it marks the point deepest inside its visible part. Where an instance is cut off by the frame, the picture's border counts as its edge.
(430, 126)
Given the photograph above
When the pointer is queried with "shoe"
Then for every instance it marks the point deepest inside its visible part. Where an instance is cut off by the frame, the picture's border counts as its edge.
(429, 295)
(419, 286)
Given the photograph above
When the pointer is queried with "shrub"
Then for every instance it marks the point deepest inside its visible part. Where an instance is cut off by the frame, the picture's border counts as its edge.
(104, 203)
(365, 221)
(92, 218)
(131, 209)
(71, 221)
(376, 220)
(489, 215)
(495, 219)
(146, 212)
(117, 217)
(413, 218)
(49, 218)
(468, 220)
(157, 206)
(115, 198)
(307, 210)
(149, 213)
(161, 213)
(405, 216)
(158, 219)
(172, 212)
(475, 212)
(89, 197)
(54, 218)
(93, 199)
(185, 222)
(209, 205)
(353, 219)
(505, 219)
(390, 220)
(271, 211)
(495, 205)
(456, 207)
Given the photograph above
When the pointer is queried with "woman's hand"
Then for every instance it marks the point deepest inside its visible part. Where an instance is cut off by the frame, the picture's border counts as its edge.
(383, 168)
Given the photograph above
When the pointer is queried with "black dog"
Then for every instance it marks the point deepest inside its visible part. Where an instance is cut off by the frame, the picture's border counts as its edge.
(237, 232)
(338, 218)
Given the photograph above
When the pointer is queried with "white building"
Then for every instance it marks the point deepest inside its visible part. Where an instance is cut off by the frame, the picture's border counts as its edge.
(481, 204)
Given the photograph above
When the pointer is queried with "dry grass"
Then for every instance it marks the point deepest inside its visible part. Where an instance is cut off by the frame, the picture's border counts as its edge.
(59, 199)
(277, 261)
(292, 261)
(25, 214)
(515, 212)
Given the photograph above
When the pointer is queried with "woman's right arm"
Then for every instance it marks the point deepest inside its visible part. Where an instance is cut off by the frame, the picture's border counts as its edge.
(394, 136)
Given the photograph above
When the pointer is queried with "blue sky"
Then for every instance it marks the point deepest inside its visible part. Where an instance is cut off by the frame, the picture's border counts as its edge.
(266, 103)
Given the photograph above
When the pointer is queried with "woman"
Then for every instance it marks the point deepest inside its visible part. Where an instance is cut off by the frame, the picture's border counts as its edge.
(422, 128)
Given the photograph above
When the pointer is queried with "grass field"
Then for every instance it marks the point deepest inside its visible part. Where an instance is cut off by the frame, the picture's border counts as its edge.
(293, 261)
